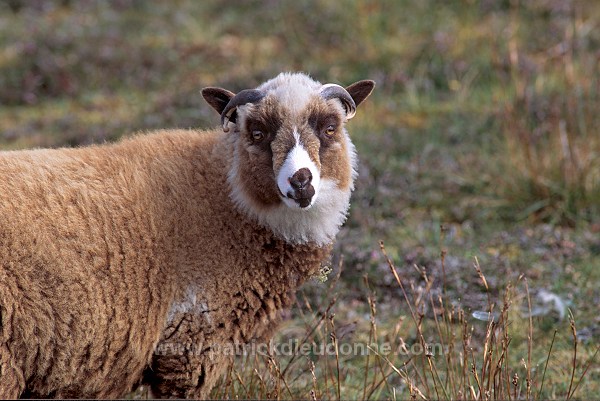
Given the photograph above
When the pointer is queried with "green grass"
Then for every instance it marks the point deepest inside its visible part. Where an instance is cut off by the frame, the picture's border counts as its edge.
(484, 122)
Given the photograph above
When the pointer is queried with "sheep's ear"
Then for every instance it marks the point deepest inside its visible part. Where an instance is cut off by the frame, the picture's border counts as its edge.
(360, 90)
(218, 98)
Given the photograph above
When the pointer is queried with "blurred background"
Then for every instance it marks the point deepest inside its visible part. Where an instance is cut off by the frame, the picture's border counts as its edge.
(479, 148)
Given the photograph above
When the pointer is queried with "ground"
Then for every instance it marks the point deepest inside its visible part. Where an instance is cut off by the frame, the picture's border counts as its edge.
(479, 172)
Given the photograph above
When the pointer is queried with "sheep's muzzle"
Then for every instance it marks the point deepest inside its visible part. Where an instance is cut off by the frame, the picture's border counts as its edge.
(302, 189)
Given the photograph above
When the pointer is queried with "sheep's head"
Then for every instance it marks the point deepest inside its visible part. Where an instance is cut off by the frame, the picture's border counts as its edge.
(293, 158)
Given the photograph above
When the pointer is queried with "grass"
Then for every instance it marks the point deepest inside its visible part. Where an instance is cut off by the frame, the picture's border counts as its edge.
(435, 349)
(480, 141)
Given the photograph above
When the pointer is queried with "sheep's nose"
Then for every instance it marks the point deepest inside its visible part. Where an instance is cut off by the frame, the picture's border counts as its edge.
(301, 179)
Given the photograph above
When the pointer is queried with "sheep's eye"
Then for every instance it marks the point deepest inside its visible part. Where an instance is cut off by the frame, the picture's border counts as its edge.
(257, 135)
(330, 130)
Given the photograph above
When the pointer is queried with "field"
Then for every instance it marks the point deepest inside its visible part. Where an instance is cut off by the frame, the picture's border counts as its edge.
(472, 249)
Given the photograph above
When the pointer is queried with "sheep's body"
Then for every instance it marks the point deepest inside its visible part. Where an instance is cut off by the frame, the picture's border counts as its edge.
(129, 260)
(89, 329)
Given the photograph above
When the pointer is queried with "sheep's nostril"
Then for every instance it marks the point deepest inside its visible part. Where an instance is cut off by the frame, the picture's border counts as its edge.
(301, 179)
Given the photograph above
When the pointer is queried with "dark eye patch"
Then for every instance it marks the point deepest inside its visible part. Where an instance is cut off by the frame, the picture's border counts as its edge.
(256, 125)
(268, 124)
(321, 121)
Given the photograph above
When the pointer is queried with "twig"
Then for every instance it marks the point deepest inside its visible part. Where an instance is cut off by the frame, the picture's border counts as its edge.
(399, 372)
(574, 332)
(416, 321)
(529, 341)
(546, 365)
(337, 357)
(366, 280)
(324, 314)
(587, 366)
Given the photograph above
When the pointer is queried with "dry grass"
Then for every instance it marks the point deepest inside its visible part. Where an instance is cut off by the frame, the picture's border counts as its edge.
(438, 351)
(550, 121)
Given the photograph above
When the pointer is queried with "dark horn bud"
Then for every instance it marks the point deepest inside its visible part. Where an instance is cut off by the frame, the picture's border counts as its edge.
(333, 91)
(243, 97)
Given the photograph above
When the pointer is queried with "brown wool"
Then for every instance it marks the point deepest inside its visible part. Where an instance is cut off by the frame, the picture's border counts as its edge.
(130, 262)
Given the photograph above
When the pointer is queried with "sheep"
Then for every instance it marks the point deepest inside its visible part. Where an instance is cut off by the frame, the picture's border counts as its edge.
(134, 262)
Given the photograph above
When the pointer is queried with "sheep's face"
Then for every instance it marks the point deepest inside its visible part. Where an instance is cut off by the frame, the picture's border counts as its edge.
(286, 156)
(290, 148)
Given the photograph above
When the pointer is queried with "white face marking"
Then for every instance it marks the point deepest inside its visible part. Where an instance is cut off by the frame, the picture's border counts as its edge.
(296, 159)
(327, 212)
